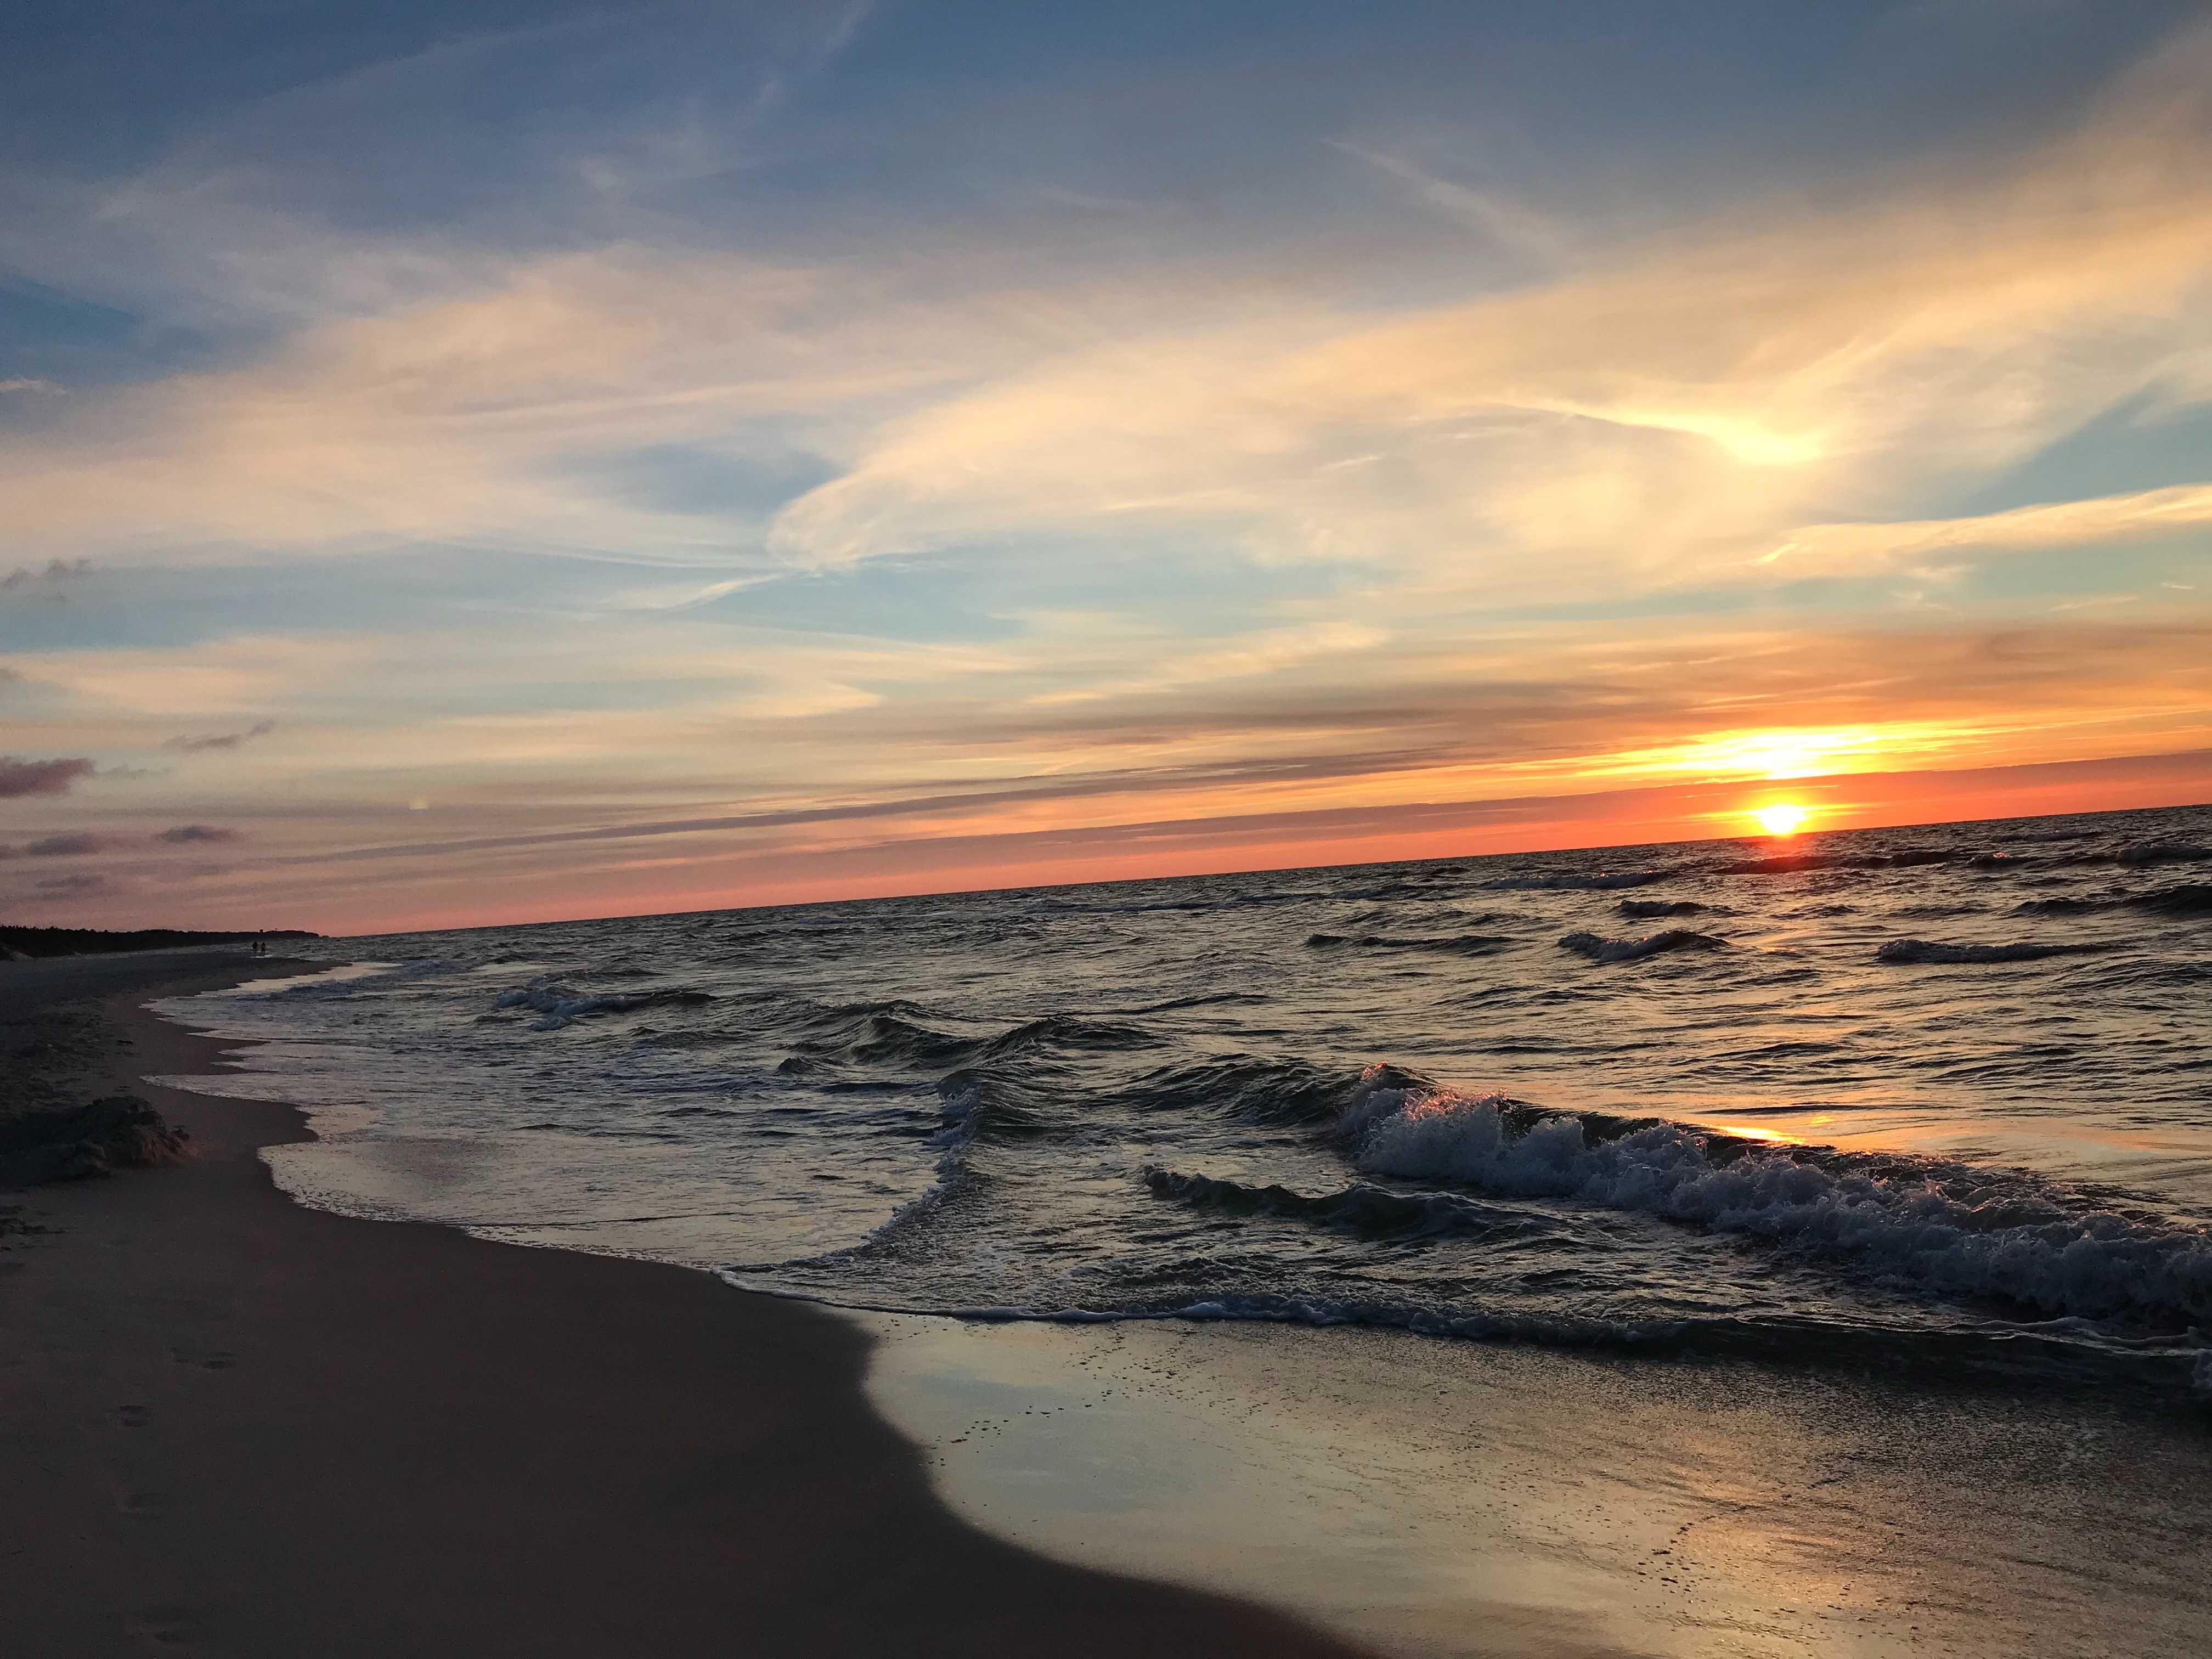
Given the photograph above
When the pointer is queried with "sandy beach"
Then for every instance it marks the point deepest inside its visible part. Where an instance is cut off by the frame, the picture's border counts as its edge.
(236, 1426)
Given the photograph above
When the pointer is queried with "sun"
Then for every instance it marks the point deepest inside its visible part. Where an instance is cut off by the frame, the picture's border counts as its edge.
(1782, 818)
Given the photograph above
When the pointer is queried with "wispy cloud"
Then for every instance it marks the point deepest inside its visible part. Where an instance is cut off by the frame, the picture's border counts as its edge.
(1834, 547)
(55, 889)
(190, 745)
(1510, 224)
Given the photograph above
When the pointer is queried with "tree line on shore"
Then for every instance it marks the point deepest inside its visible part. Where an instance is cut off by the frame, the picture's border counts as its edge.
(19, 943)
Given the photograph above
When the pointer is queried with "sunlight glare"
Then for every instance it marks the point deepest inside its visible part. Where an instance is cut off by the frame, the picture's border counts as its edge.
(1782, 818)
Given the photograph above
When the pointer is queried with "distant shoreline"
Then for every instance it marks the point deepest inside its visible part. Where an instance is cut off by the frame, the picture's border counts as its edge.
(41, 943)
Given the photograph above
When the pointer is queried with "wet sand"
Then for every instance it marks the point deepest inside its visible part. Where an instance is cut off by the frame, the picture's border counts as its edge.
(229, 1425)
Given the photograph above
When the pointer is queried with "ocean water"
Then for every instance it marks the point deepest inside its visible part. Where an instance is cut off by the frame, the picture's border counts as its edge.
(1935, 1100)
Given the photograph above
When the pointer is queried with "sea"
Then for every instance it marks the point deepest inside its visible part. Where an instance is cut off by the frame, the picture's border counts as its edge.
(1932, 1101)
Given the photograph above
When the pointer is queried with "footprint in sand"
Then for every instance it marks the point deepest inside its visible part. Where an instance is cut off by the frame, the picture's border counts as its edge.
(149, 1504)
(216, 1361)
(130, 1417)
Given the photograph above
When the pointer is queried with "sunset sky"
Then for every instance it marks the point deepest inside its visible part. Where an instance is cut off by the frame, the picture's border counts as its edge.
(473, 462)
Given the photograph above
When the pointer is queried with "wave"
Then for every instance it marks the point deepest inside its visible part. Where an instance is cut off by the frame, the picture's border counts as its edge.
(1604, 881)
(1600, 949)
(1370, 1211)
(1206, 999)
(560, 1005)
(340, 980)
(980, 1106)
(1563, 1330)
(2002, 1354)
(1456, 944)
(963, 1115)
(893, 1032)
(880, 1037)
(1066, 1034)
(1946, 1228)
(1813, 859)
(1652, 909)
(1246, 1089)
(1939, 951)
(2190, 900)
(2139, 855)
(1792, 864)
(1050, 905)
(1426, 886)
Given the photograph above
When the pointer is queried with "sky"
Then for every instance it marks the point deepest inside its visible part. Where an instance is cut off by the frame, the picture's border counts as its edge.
(473, 462)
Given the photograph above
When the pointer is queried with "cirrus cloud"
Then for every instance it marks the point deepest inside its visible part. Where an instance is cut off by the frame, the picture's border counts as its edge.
(189, 745)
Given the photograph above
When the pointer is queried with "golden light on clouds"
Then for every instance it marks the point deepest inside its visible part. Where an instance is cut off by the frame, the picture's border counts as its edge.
(822, 536)
(1787, 754)
(1790, 752)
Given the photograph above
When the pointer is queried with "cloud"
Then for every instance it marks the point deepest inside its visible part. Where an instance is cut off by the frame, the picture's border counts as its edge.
(188, 835)
(1667, 409)
(40, 777)
(1644, 412)
(222, 740)
(1830, 548)
(215, 678)
(1034, 523)
(54, 573)
(1254, 656)
(1491, 214)
(75, 844)
(72, 886)
(22, 384)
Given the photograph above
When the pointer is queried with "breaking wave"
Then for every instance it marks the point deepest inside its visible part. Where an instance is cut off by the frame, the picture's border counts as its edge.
(1145, 1101)
(1246, 1089)
(559, 1004)
(1946, 1227)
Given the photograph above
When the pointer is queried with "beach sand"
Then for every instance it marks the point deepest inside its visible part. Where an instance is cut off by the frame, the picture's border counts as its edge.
(236, 1426)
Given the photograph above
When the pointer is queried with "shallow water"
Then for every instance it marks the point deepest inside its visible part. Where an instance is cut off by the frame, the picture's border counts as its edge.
(1937, 1100)
(1434, 1498)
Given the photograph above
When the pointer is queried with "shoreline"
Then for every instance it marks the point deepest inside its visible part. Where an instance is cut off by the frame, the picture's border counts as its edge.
(238, 1424)
(249, 1426)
